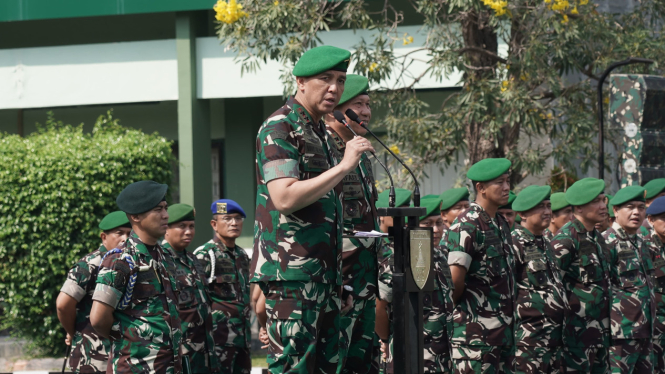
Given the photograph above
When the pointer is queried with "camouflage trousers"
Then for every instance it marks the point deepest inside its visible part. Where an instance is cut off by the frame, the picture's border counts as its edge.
(233, 360)
(437, 353)
(303, 327)
(356, 345)
(533, 360)
(659, 355)
(89, 355)
(631, 356)
(593, 360)
(469, 359)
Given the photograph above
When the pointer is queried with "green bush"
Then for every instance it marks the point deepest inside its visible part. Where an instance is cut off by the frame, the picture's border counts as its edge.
(55, 186)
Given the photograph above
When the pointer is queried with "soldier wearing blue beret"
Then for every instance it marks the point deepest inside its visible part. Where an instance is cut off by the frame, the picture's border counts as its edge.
(226, 267)
(654, 241)
(89, 350)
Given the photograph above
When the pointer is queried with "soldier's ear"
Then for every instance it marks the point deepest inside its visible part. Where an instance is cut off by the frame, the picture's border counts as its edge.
(102, 236)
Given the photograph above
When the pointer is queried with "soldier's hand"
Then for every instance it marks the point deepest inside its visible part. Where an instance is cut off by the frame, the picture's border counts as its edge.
(263, 337)
(68, 339)
(384, 350)
(354, 149)
(347, 305)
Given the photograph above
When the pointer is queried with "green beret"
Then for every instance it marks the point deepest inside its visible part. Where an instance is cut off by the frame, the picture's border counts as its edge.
(488, 169)
(518, 219)
(355, 85)
(452, 196)
(530, 197)
(320, 59)
(584, 190)
(610, 211)
(558, 201)
(402, 198)
(627, 194)
(141, 196)
(180, 212)
(113, 220)
(432, 204)
(654, 187)
(511, 199)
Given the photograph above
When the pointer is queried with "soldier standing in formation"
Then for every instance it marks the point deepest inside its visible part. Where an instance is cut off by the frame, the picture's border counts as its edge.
(631, 274)
(541, 299)
(135, 301)
(581, 256)
(656, 216)
(507, 211)
(226, 267)
(90, 352)
(359, 261)
(655, 188)
(193, 300)
(482, 266)
(453, 202)
(562, 213)
(299, 217)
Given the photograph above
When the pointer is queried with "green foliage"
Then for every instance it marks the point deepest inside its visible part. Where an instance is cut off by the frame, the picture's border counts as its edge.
(539, 85)
(55, 187)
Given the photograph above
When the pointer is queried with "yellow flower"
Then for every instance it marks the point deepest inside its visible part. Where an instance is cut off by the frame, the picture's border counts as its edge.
(584, 2)
(407, 39)
(498, 6)
(373, 67)
(548, 1)
(606, 101)
(409, 161)
(574, 11)
(565, 18)
(504, 86)
(276, 3)
(395, 149)
(228, 12)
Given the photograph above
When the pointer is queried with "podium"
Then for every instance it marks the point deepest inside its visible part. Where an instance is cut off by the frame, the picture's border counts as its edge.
(412, 276)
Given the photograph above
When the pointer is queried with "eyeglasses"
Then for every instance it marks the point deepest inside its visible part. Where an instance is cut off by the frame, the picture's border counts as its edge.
(229, 219)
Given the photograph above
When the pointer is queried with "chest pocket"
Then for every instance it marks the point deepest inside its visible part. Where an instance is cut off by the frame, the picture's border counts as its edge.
(146, 288)
(226, 278)
(494, 255)
(590, 267)
(313, 160)
(186, 292)
(629, 268)
(536, 267)
(659, 274)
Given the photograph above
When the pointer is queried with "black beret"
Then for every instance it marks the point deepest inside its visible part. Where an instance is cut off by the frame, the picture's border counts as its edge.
(141, 196)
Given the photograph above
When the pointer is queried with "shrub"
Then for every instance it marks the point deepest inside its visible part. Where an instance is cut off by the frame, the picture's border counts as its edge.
(55, 187)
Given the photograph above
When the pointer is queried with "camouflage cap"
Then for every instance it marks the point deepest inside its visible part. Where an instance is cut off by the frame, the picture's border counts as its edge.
(628, 194)
(452, 196)
(226, 206)
(141, 196)
(530, 197)
(584, 190)
(320, 59)
(355, 85)
(431, 203)
(511, 199)
(113, 220)
(181, 212)
(488, 169)
(558, 200)
(654, 187)
(657, 207)
(402, 198)
(610, 211)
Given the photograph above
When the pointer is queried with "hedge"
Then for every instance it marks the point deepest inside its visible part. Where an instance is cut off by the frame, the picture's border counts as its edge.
(55, 186)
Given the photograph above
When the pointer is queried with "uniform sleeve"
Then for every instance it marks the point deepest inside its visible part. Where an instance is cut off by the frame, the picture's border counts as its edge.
(201, 254)
(112, 280)
(461, 244)
(563, 245)
(518, 248)
(612, 254)
(277, 151)
(77, 281)
(386, 280)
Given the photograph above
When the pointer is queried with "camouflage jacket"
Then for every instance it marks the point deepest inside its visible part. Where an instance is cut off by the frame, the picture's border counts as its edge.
(541, 299)
(147, 335)
(386, 262)
(438, 306)
(631, 274)
(547, 234)
(484, 313)
(229, 291)
(305, 245)
(194, 308)
(359, 262)
(581, 257)
(657, 252)
(90, 352)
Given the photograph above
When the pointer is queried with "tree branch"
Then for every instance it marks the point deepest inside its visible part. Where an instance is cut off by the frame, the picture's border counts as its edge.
(484, 52)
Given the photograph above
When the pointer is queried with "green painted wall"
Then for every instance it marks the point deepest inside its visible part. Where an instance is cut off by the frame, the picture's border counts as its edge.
(21, 10)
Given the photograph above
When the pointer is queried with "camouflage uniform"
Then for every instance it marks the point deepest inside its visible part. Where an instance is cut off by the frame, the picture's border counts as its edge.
(633, 303)
(547, 234)
(90, 352)
(359, 266)
(540, 306)
(298, 257)
(229, 291)
(582, 259)
(147, 335)
(386, 263)
(657, 252)
(195, 312)
(483, 332)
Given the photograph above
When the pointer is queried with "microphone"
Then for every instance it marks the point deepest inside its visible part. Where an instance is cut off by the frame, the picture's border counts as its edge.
(391, 194)
(416, 191)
